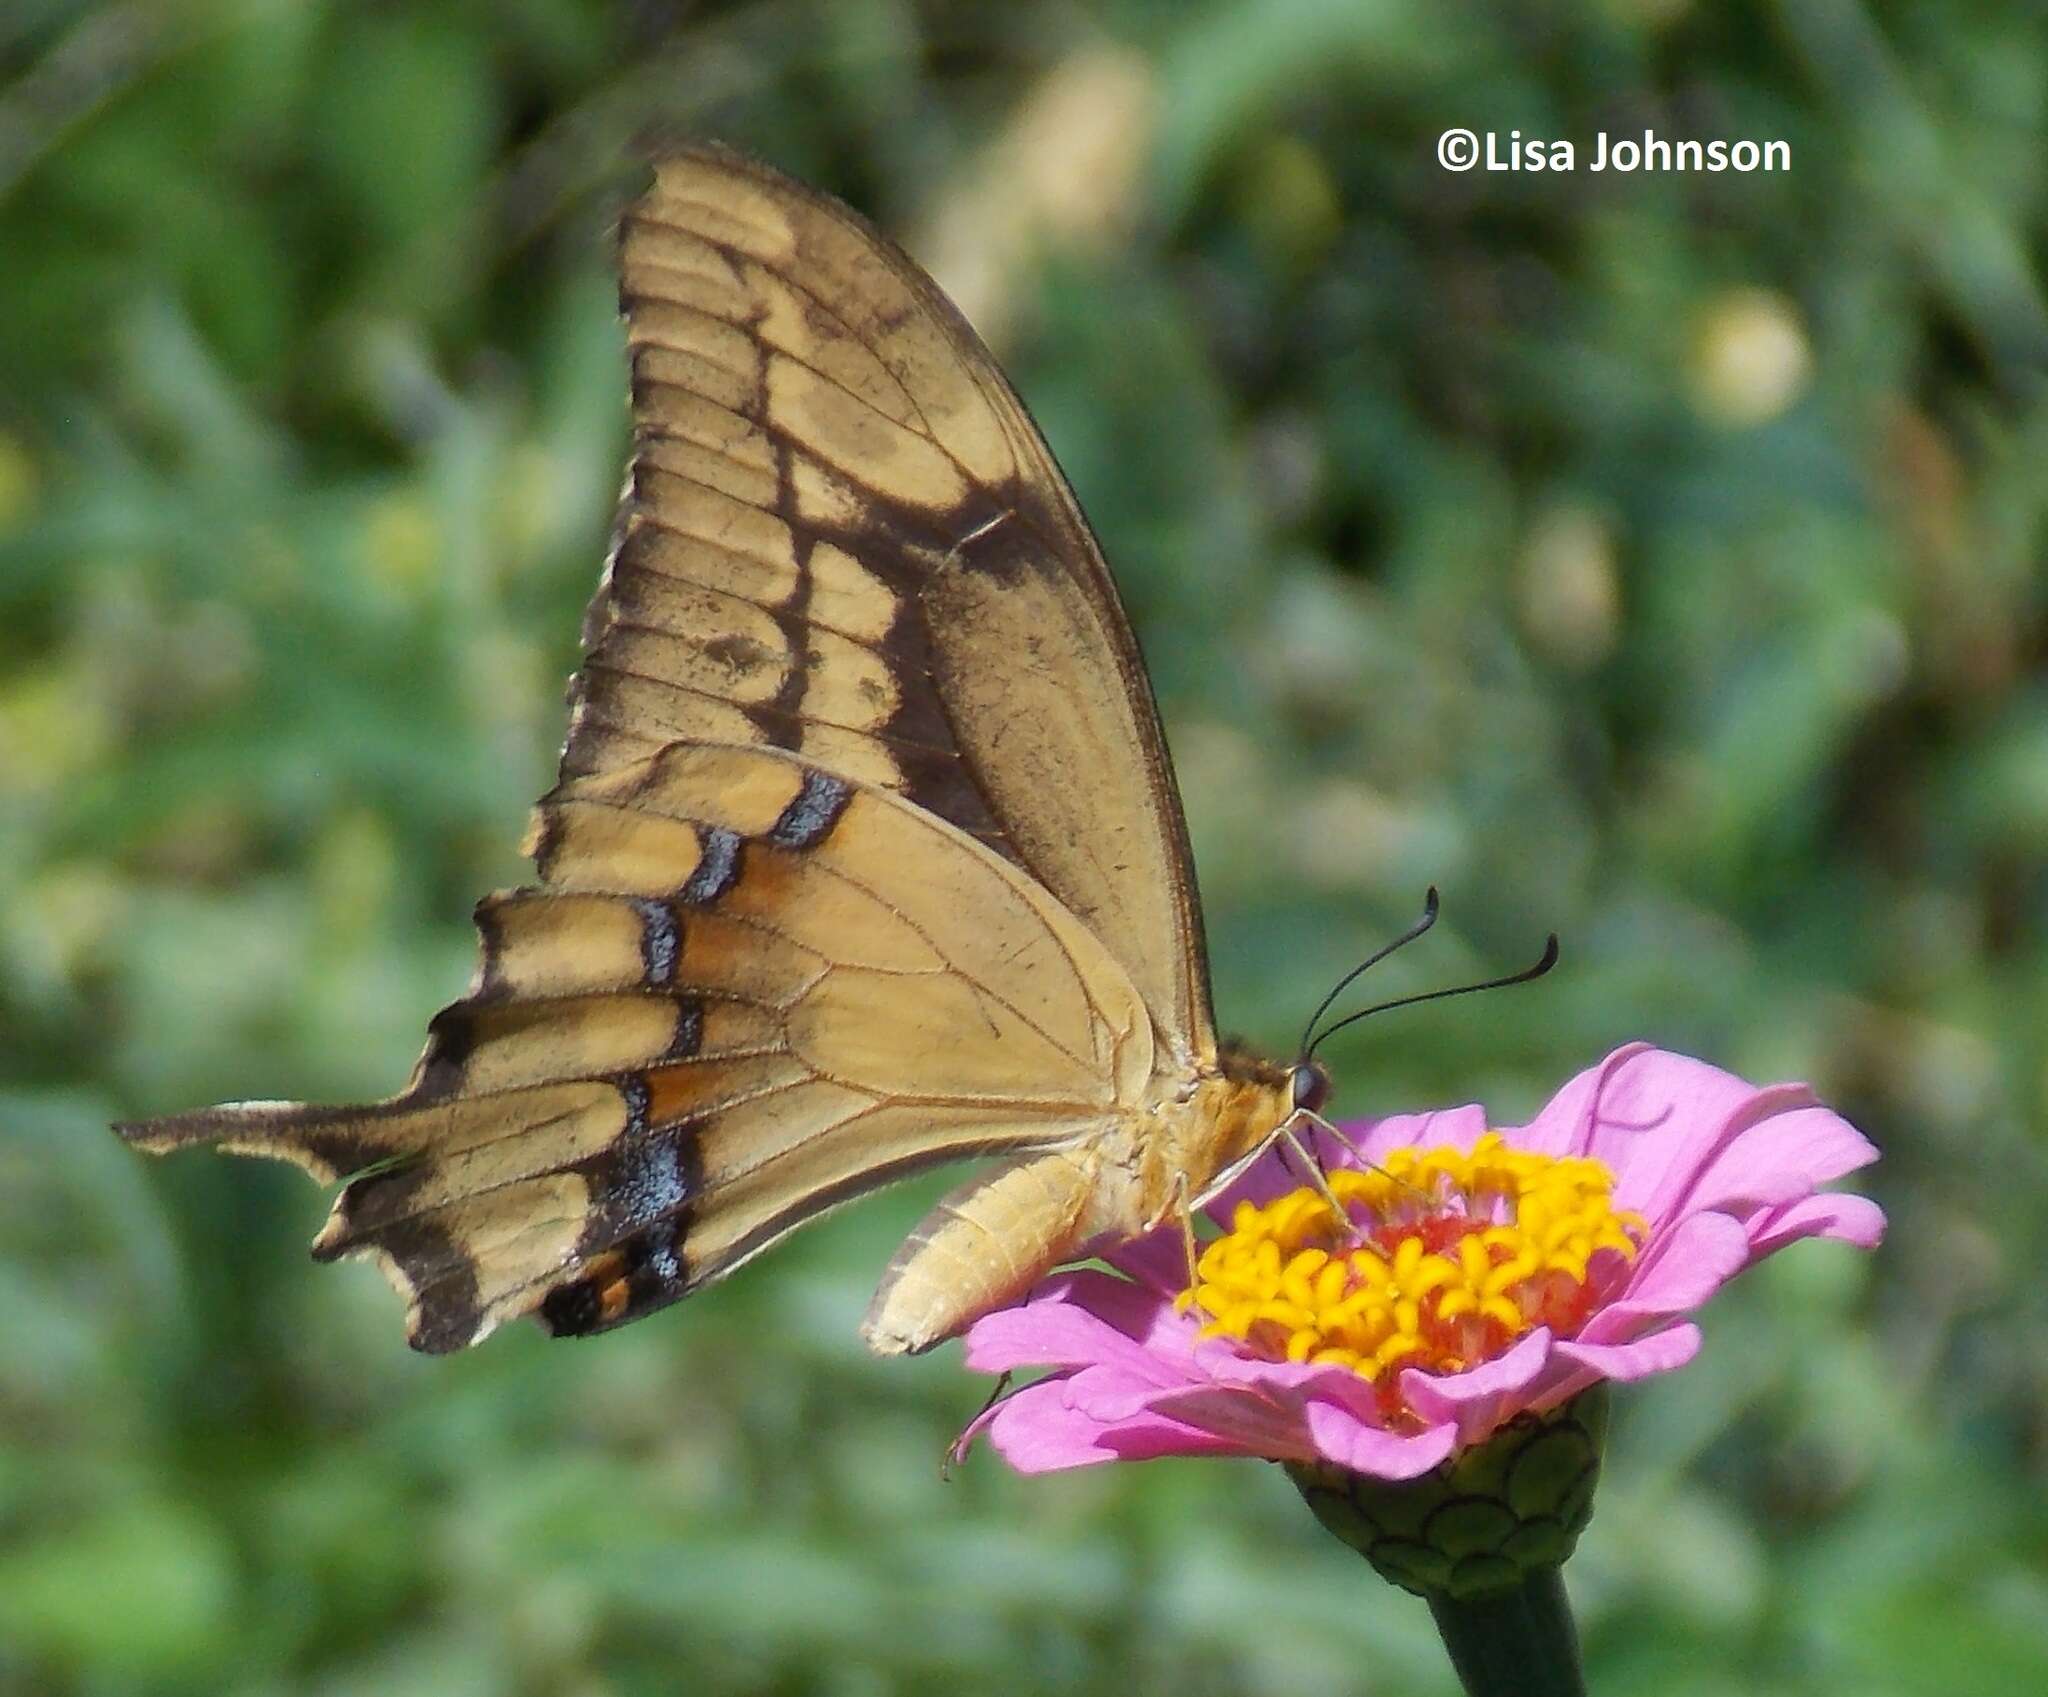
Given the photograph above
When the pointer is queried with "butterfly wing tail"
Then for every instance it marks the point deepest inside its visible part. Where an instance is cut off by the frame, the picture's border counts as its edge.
(324, 1142)
(330, 1143)
(471, 1206)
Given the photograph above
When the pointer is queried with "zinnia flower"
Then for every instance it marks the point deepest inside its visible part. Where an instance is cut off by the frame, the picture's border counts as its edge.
(1475, 1277)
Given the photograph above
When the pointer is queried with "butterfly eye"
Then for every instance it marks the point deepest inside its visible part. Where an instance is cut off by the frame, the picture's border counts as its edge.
(1310, 1083)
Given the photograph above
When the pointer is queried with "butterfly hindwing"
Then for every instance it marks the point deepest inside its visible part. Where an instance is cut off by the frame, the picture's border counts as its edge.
(722, 1011)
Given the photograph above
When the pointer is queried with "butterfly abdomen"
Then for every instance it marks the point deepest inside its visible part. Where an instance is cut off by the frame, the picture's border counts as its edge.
(989, 1241)
(985, 1243)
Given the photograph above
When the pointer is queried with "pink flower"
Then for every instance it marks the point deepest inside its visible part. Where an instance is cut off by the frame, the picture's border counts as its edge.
(1476, 1277)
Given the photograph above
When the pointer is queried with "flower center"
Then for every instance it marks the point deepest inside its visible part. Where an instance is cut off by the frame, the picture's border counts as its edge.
(1442, 1260)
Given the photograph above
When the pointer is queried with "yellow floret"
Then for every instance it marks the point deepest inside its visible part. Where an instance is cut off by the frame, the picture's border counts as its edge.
(1515, 1235)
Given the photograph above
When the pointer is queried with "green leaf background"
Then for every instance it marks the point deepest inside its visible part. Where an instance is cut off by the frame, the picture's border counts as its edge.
(1655, 558)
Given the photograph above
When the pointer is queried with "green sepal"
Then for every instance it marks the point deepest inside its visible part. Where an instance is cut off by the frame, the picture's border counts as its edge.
(1482, 1522)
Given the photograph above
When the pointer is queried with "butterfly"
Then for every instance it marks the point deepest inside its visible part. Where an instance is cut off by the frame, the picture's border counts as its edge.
(865, 853)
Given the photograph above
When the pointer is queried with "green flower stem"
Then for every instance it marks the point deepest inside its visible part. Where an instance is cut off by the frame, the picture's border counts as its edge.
(1517, 1643)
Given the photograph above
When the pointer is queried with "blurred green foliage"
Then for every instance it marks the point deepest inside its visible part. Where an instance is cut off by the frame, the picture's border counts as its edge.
(1654, 558)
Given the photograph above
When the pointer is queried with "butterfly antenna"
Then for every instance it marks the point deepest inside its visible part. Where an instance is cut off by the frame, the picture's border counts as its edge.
(1523, 977)
(1308, 1036)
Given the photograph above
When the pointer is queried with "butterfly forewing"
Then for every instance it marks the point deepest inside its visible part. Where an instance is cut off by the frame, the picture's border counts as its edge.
(843, 536)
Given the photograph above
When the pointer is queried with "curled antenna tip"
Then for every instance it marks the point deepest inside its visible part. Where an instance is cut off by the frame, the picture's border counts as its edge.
(1309, 1040)
(1523, 977)
(1532, 972)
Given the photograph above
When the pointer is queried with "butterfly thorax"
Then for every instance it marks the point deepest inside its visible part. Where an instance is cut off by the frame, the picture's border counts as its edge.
(1189, 1145)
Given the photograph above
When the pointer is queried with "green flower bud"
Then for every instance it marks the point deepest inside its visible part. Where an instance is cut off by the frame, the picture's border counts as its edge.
(1482, 1539)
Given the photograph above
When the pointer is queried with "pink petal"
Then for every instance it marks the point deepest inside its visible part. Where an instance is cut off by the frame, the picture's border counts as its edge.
(1293, 1408)
(1139, 1311)
(1683, 1136)
(1241, 1418)
(1814, 1142)
(1679, 1269)
(1074, 1319)
(1107, 1394)
(1158, 1260)
(1223, 1360)
(1565, 1124)
(1777, 1146)
(1035, 1432)
(1848, 1219)
(1342, 1438)
(1460, 1127)
(1291, 1383)
(1665, 1122)
(1153, 1436)
(1780, 1151)
(1657, 1353)
(1477, 1400)
(1678, 1272)
(1654, 1112)
(1045, 1333)
(1649, 1115)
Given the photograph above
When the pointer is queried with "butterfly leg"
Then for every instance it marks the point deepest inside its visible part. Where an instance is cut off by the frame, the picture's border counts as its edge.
(1311, 1168)
(1183, 1205)
(1335, 1133)
(1357, 1153)
(955, 1451)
